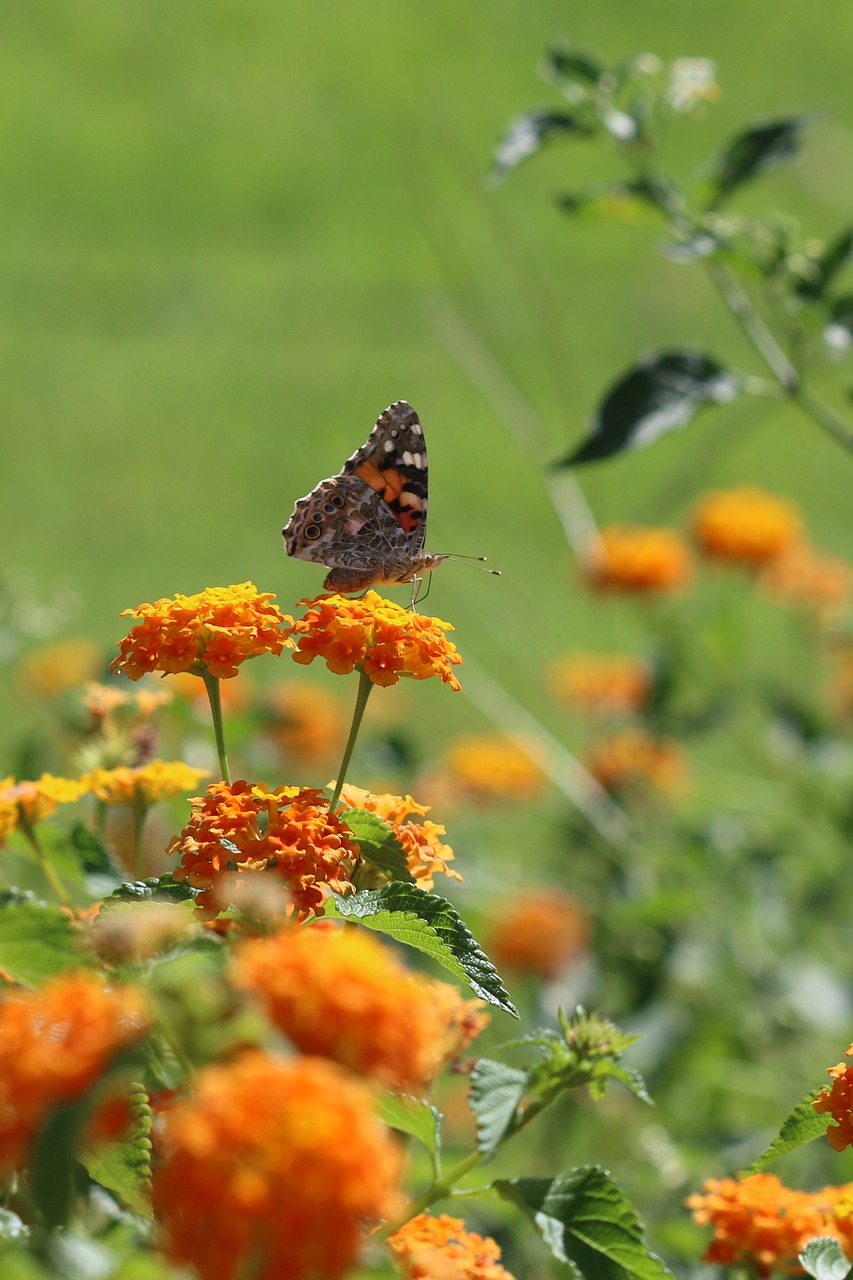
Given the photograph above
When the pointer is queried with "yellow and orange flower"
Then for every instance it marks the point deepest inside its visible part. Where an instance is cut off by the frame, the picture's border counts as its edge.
(55, 1044)
(235, 695)
(212, 632)
(807, 579)
(440, 1248)
(638, 560)
(376, 636)
(602, 684)
(745, 526)
(55, 667)
(304, 721)
(634, 758)
(26, 803)
(539, 933)
(340, 993)
(273, 1169)
(144, 784)
(491, 766)
(837, 1101)
(426, 853)
(304, 845)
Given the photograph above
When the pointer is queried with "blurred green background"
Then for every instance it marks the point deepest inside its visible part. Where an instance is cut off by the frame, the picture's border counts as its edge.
(226, 231)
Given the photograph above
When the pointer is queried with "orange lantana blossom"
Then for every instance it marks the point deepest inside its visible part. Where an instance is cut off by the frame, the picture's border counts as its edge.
(304, 720)
(634, 758)
(288, 831)
(638, 560)
(342, 994)
(602, 684)
(55, 1044)
(377, 636)
(805, 578)
(59, 666)
(491, 766)
(26, 803)
(144, 784)
(210, 633)
(539, 933)
(426, 853)
(762, 1225)
(746, 525)
(440, 1248)
(273, 1169)
(837, 1101)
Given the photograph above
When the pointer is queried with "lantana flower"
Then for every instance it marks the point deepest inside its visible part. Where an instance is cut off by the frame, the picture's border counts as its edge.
(59, 666)
(377, 636)
(144, 784)
(27, 803)
(491, 766)
(440, 1247)
(55, 1044)
(211, 633)
(638, 560)
(539, 932)
(288, 831)
(633, 757)
(837, 1101)
(602, 684)
(426, 852)
(805, 578)
(273, 1169)
(746, 525)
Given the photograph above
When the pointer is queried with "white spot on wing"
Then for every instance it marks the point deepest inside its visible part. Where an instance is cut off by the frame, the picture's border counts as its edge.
(389, 445)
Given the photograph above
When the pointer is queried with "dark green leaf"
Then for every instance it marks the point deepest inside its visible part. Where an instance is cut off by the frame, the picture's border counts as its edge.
(835, 256)
(378, 844)
(562, 62)
(802, 1125)
(660, 394)
(413, 1116)
(632, 201)
(431, 925)
(37, 940)
(94, 854)
(527, 134)
(162, 889)
(495, 1094)
(839, 332)
(757, 150)
(587, 1221)
(54, 1160)
(823, 1258)
(125, 1167)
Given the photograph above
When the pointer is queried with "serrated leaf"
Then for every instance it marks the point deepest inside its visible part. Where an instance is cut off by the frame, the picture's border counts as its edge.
(94, 854)
(430, 924)
(587, 1221)
(824, 1259)
(414, 1116)
(159, 889)
(527, 134)
(378, 844)
(495, 1093)
(660, 394)
(632, 1080)
(758, 150)
(802, 1125)
(835, 256)
(37, 940)
(125, 1167)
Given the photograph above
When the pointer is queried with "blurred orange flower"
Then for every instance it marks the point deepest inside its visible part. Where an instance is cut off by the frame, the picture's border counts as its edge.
(59, 666)
(144, 784)
(55, 1044)
(304, 720)
(806, 578)
(605, 684)
(426, 853)
(342, 994)
(235, 695)
(30, 802)
(637, 559)
(273, 1169)
(213, 631)
(491, 766)
(745, 525)
(440, 1248)
(624, 760)
(837, 1101)
(379, 637)
(539, 933)
(308, 848)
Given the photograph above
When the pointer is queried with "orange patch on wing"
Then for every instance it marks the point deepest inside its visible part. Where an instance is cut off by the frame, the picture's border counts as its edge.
(408, 520)
(390, 481)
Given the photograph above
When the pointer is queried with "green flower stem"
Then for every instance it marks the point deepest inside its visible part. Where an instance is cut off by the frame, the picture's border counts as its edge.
(440, 1189)
(365, 684)
(211, 684)
(140, 812)
(47, 870)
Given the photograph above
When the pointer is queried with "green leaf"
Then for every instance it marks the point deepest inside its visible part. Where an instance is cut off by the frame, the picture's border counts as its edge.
(37, 940)
(835, 256)
(378, 844)
(430, 924)
(125, 1167)
(495, 1094)
(162, 889)
(660, 394)
(824, 1259)
(587, 1221)
(802, 1125)
(414, 1116)
(757, 150)
(633, 201)
(527, 134)
(838, 334)
(565, 63)
(94, 854)
(54, 1160)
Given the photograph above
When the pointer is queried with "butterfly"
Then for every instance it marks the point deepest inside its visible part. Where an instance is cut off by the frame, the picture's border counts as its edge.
(367, 524)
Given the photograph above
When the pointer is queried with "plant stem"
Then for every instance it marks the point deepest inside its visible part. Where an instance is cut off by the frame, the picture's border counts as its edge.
(824, 416)
(211, 684)
(365, 684)
(440, 1189)
(140, 811)
(28, 832)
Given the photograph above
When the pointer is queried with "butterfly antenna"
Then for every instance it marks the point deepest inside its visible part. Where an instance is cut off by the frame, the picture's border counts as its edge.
(474, 562)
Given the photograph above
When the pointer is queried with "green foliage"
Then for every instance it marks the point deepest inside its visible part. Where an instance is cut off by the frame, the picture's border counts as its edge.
(37, 940)
(414, 1116)
(379, 847)
(824, 1259)
(755, 151)
(124, 1167)
(803, 1124)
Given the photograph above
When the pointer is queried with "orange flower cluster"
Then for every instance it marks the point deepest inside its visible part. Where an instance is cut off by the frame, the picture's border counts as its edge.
(55, 1043)
(805, 578)
(605, 684)
(102, 701)
(837, 1101)
(379, 637)
(144, 784)
(539, 933)
(304, 721)
(213, 631)
(308, 848)
(426, 853)
(272, 1169)
(341, 994)
(59, 666)
(30, 802)
(745, 525)
(763, 1225)
(440, 1248)
(486, 766)
(631, 758)
(636, 559)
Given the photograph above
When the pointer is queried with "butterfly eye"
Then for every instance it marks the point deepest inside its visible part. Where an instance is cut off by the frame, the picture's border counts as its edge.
(312, 532)
(337, 500)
